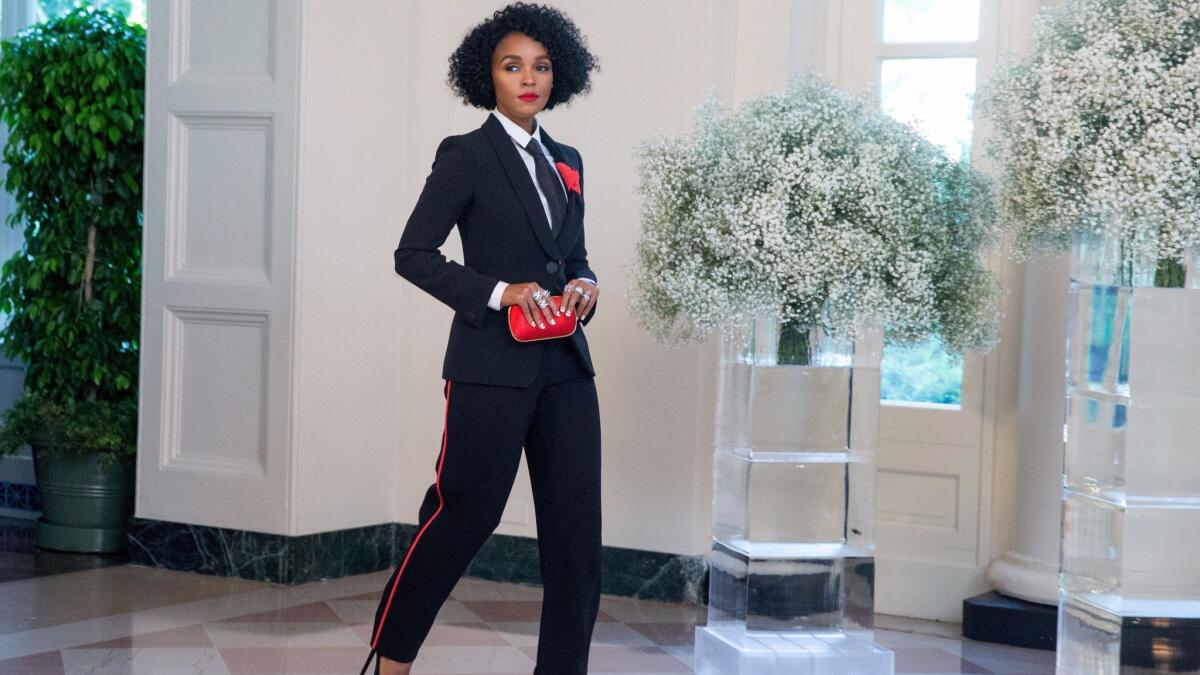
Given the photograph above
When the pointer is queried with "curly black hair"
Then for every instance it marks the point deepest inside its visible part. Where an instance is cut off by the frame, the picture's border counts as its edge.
(471, 64)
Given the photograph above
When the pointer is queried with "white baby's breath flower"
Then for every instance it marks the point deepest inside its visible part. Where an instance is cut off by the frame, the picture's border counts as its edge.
(811, 203)
(1097, 129)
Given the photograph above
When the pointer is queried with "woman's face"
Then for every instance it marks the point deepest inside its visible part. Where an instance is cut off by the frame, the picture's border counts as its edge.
(521, 76)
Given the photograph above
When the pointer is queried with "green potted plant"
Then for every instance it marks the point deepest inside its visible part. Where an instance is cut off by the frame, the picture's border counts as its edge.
(72, 96)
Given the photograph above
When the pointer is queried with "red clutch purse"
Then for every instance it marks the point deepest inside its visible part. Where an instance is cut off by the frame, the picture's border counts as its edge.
(522, 331)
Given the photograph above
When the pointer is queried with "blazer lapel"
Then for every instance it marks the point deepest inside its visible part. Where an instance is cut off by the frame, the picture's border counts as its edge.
(522, 184)
(573, 218)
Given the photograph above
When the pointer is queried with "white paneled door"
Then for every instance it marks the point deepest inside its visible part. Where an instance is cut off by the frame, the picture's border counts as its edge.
(221, 120)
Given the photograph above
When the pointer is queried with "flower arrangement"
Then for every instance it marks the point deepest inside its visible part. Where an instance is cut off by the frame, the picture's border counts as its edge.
(1097, 129)
(814, 205)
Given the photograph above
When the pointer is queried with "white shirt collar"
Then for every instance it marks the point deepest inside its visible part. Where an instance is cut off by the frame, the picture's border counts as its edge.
(517, 133)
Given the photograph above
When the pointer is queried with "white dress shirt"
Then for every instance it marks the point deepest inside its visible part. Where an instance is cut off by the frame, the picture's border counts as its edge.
(521, 138)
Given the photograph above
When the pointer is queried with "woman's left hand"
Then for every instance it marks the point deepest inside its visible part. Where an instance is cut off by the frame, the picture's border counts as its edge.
(574, 301)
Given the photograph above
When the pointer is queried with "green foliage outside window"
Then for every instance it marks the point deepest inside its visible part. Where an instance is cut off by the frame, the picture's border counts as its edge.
(127, 8)
(922, 373)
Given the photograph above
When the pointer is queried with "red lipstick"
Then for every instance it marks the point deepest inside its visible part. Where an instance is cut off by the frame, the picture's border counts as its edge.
(528, 97)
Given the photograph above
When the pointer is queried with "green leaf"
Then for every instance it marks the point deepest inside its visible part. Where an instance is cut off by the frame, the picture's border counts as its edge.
(72, 91)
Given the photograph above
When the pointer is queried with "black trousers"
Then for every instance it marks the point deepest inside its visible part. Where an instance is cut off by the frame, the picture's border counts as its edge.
(557, 421)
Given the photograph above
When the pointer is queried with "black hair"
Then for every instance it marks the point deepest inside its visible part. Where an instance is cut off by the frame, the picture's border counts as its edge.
(471, 64)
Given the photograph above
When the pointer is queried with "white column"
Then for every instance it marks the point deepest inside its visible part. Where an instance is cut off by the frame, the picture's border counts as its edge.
(1029, 570)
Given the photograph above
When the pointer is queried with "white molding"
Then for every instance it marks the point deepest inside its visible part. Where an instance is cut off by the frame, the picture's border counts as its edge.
(925, 589)
(1023, 577)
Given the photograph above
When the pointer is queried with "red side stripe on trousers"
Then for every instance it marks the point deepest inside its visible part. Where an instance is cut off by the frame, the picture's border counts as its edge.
(438, 485)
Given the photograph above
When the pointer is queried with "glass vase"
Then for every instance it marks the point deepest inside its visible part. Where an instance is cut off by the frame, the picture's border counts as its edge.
(1129, 575)
(792, 568)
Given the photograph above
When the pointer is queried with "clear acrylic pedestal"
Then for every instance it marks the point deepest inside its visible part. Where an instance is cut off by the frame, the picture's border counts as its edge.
(792, 568)
(729, 650)
(1129, 577)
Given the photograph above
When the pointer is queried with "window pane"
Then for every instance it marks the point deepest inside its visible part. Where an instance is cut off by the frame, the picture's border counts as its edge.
(922, 373)
(133, 10)
(935, 95)
(930, 20)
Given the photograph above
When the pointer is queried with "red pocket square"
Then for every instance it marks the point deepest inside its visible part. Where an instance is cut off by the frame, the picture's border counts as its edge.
(570, 176)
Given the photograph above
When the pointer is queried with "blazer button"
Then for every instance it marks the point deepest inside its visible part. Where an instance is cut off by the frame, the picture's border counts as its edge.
(551, 267)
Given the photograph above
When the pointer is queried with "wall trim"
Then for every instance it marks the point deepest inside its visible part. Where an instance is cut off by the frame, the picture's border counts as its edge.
(646, 575)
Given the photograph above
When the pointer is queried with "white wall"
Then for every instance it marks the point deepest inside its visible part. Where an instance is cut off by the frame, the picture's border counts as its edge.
(350, 359)
(370, 345)
(350, 406)
(355, 413)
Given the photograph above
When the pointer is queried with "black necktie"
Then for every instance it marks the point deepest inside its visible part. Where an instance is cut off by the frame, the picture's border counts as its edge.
(548, 183)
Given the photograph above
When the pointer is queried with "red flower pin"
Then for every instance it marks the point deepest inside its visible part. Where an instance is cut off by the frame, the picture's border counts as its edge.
(570, 176)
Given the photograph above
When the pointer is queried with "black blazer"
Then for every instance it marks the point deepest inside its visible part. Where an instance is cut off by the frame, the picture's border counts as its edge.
(479, 182)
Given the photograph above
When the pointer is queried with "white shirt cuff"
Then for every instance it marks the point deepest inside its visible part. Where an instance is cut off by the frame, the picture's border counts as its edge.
(497, 293)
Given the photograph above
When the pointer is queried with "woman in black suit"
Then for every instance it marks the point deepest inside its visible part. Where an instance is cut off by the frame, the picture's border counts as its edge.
(517, 198)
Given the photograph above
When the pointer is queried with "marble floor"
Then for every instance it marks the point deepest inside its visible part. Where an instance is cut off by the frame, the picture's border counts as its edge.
(60, 615)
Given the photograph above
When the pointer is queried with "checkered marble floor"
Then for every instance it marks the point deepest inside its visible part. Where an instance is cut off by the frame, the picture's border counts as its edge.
(135, 619)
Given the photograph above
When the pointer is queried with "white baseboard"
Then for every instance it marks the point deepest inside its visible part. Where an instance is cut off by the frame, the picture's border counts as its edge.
(925, 590)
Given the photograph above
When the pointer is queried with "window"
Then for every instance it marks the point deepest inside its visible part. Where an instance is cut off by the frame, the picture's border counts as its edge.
(927, 78)
(930, 21)
(935, 96)
(936, 457)
(133, 10)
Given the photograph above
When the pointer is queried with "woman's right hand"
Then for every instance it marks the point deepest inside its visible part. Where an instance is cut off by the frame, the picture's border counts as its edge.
(522, 295)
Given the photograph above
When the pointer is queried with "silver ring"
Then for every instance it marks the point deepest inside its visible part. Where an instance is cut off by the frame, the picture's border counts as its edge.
(542, 302)
(578, 289)
(587, 296)
(569, 288)
(540, 293)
